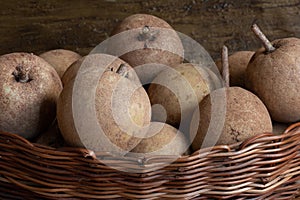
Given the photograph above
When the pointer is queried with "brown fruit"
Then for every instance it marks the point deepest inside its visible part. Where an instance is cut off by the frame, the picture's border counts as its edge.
(238, 62)
(111, 101)
(162, 139)
(29, 89)
(179, 90)
(52, 137)
(229, 115)
(279, 128)
(273, 74)
(143, 39)
(60, 59)
(92, 60)
(245, 116)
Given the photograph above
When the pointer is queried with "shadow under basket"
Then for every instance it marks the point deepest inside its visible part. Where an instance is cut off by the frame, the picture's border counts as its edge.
(266, 166)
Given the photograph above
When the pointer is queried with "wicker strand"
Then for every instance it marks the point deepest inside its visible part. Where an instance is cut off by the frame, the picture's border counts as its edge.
(266, 166)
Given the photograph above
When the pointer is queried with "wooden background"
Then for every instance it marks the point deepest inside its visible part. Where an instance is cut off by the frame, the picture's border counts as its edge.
(79, 25)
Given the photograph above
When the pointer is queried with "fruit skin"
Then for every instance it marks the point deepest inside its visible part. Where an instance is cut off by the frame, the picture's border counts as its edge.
(279, 128)
(111, 92)
(51, 137)
(162, 139)
(93, 60)
(27, 108)
(163, 48)
(275, 78)
(179, 90)
(238, 62)
(245, 116)
(60, 59)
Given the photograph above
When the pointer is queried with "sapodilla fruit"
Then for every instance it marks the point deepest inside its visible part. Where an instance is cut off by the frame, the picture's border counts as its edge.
(60, 59)
(51, 137)
(273, 74)
(29, 89)
(162, 139)
(179, 90)
(229, 115)
(103, 112)
(148, 41)
(279, 128)
(92, 60)
(238, 62)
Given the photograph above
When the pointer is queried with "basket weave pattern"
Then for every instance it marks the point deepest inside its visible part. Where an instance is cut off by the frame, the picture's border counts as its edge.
(264, 167)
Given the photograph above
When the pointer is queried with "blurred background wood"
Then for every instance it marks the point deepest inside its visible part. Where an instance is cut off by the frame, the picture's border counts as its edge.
(79, 25)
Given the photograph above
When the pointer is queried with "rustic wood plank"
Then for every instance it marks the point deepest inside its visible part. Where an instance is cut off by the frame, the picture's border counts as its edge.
(37, 26)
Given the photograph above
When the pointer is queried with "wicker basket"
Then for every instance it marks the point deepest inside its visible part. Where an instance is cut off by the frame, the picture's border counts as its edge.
(264, 167)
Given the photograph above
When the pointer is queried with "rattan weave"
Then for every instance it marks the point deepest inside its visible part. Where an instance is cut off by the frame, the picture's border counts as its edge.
(264, 167)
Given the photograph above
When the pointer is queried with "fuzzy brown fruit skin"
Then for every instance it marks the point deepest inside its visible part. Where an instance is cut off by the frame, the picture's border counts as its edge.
(27, 108)
(245, 116)
(110, 83)
(164, 47)
(51, 137)
(162, 139)
(279, 128)
(275, 78)
(179, 90)
(60, 59)
(238, 62)
(95, 59)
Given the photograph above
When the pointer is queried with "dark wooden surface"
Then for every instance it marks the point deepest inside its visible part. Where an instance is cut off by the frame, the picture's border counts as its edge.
(36, 26)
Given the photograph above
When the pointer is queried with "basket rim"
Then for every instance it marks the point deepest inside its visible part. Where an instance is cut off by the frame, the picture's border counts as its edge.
(229, 150)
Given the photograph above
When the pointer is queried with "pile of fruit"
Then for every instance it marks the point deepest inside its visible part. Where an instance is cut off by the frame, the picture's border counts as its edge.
(141, 95)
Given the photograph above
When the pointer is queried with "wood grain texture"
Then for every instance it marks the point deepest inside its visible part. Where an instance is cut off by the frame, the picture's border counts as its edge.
(79, 25)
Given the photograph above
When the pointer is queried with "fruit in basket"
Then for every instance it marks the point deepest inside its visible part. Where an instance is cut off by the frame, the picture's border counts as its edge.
(51, 137)
(103, 112)
(162, 139)
(60, 59)
(144, 39)
(238, 62)
(245, 115)
(279, 128)
(29, 89)
(94, 60)
(179, 90)
(273, 74)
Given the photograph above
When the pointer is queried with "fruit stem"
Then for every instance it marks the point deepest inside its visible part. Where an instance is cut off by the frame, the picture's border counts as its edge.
(261, 36)
(146, 34)
(122, 70)
(225, 66)
(21, 73)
